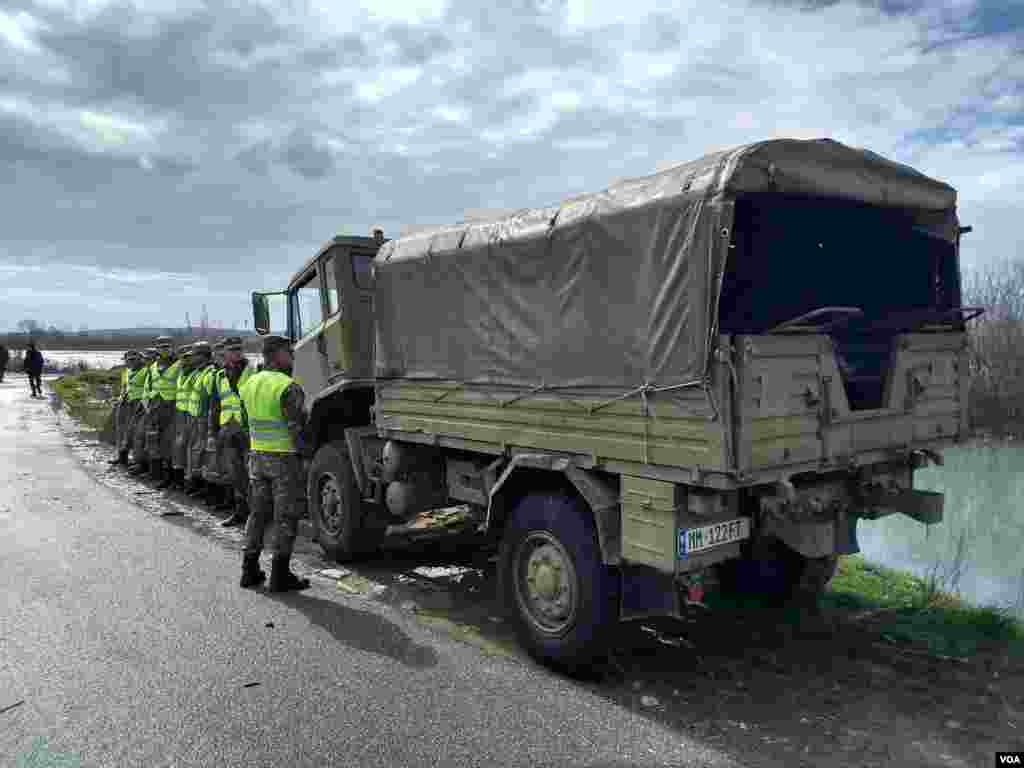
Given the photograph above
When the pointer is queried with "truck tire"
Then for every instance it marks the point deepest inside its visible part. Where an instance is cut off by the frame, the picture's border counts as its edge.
(335, 507)
(558, 594)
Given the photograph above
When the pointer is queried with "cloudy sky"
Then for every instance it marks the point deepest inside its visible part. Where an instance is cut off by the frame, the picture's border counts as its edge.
(156, 156)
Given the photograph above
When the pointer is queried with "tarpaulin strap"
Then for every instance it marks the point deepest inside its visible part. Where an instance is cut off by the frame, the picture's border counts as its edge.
(447, 392)
(539, 388)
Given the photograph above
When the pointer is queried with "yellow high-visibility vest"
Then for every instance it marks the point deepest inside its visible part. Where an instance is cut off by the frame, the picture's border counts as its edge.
(136, 384)
(230, 402)
(199, 393)
(164, 383)
(183, 394)
(268, 430)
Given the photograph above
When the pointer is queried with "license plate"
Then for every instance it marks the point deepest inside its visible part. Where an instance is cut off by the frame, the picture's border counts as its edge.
(692, 540)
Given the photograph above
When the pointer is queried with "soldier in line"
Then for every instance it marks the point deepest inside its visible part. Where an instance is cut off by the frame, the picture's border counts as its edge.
(199, 401)
(116, 419)
(160, 428)
(182, 421)
(126, 411)
(139, 455)
(213, 496)
(277, 425)
(228, 429)
(212, 474)
(5, 358)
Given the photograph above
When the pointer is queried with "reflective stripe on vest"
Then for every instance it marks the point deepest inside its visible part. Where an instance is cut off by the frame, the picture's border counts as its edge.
(137, 384)
(268, 430)
(164, 383)
(230, 403)
(184, 391)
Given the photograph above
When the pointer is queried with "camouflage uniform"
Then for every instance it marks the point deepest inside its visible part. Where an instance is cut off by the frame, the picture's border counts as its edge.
(275, 482)
(230, 441)
(140, 456)
(160, 424)
(127, 411)
(179, 458)
(275, 476)
(201, 401)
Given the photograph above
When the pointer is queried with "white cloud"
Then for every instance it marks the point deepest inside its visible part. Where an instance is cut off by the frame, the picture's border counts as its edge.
(19, 29)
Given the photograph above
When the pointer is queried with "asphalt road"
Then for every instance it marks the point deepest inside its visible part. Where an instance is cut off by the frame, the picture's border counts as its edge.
(126, 641)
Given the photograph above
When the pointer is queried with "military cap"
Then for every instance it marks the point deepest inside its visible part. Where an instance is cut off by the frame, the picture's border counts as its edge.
(131, 354)
(273, 343)
(164, 341)
(150, 352)
(219, 345)
(233, 344)
(202, 348)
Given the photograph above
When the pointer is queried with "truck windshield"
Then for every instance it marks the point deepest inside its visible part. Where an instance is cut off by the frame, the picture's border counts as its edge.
(794, 255)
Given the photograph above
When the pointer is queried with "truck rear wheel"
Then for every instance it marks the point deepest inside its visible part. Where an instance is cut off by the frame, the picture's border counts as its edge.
(335, 506)
(559, 595)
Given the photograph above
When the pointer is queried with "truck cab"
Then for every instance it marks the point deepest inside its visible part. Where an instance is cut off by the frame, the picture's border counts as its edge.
(327, 312)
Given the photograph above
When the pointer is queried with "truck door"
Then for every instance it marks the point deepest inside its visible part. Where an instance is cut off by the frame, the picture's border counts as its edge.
(348, 327)
(308, 309)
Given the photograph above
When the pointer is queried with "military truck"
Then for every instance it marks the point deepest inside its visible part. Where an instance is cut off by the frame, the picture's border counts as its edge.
(640, 393)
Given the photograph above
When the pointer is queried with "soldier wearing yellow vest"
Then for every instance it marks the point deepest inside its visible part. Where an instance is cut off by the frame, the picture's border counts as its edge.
(182, 396)
(139, 455)
(133, 379)
(163, 390)
(228, 429)
(124, 410)
(199, 404)
(273, 405)
(217, 493)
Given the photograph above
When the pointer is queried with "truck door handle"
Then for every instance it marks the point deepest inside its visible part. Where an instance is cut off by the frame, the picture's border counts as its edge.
(321, 345)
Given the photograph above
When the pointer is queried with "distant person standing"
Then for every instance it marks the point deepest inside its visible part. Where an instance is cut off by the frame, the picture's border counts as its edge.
(5, 357)
(34, 369)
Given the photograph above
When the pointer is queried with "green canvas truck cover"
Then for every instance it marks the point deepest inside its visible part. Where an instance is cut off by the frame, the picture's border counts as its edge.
(613, 290)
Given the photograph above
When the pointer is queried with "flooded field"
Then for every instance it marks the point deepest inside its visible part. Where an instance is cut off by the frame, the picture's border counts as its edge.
(984, 487)
(95, 358)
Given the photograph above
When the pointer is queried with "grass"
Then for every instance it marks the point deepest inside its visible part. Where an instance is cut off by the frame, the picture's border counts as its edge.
(916, 610)
(87, 395)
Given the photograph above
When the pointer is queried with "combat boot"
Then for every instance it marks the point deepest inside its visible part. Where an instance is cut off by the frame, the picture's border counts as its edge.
(139, 468)
(225, 498)
(167, 476)
(194, 488)
(281, 577)
(251, 574)
(122, 459)
(241, 515)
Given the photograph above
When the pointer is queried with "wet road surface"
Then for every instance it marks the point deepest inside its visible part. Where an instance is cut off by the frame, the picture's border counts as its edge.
(126, 641)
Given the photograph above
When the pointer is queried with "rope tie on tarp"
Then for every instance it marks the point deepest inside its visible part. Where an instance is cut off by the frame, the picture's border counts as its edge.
(643, 391)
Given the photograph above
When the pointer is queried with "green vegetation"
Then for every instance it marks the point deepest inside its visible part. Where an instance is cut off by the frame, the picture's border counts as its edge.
(88, 396)
(914, 610)
(903, 609)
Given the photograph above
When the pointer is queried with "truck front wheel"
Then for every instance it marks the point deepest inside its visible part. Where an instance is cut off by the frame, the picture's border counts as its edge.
(559, 595)
(334, 503)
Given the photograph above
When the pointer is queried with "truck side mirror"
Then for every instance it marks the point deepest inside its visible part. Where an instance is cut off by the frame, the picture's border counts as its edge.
(260, 313)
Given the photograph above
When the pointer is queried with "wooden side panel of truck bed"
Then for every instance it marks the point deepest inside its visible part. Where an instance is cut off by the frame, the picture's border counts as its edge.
(682, 428)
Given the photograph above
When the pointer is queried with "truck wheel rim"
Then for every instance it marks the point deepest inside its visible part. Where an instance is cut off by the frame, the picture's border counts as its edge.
(331, 512)
(546, 587)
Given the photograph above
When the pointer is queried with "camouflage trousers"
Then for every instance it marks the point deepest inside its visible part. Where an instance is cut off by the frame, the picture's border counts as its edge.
(128, 414)
(138, 436)
(230, 464)
(196, 447)
(160, 430)
(182, 432)
(274, 480)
